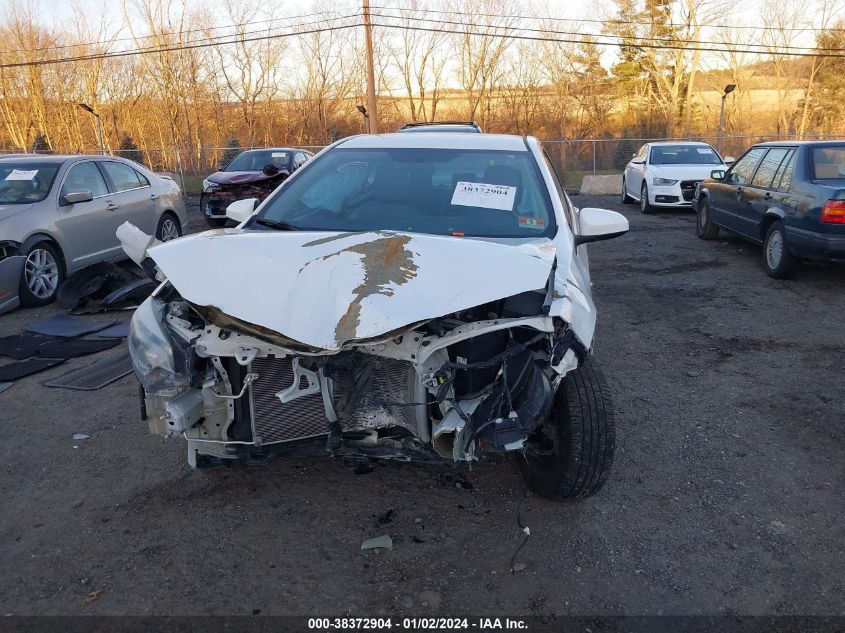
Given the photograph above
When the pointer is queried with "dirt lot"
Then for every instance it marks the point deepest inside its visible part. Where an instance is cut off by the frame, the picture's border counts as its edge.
(726, 495)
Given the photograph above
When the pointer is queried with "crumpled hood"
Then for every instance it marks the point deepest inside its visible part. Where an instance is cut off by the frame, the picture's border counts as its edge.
(241, 177)
(8, 210)
(324, 289)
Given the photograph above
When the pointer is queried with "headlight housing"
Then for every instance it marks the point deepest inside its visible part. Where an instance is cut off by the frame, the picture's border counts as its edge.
(208, 186)
(159, 362)
(663, 182)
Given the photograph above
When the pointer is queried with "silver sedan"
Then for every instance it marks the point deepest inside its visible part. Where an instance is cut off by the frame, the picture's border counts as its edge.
(60, 213)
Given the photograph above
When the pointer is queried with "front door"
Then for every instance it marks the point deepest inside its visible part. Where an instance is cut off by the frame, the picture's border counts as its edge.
(729, 196)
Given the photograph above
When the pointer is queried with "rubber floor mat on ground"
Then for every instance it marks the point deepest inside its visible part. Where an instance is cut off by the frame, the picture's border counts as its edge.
(63, 325)
(96, 375)
(21, 346)
(5, 385)
(119, 330)
(74, 348)
(13, 371)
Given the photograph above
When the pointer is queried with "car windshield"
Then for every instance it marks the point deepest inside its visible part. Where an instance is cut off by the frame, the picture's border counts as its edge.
(829, 162)
(441, 191)
(25, 183)
(257, 160)
(684, 155)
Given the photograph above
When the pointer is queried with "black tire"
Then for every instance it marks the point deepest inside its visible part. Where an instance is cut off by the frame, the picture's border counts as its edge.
(704, 227)
(42, 260)
(570, 454)
(215, 223)
(626, 199)
(777, 260)
(645, 206)
(168, 227)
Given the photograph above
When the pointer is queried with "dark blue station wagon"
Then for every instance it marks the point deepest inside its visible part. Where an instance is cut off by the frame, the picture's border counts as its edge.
(787, 196)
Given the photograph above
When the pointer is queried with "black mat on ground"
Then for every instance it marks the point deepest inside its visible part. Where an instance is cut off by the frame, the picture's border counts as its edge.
(96, 375)
(67, 326)
(20, 346)
(121, 330)
(74, 348)
(5, 385)
(13, 371)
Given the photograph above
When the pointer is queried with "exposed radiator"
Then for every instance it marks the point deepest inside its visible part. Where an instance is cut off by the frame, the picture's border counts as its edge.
(392, 381)
(273, 421)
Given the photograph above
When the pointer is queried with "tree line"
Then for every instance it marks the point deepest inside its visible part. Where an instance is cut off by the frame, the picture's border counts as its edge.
(242, 74)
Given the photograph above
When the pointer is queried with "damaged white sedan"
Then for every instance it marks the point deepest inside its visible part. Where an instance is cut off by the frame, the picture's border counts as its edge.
(417, 297)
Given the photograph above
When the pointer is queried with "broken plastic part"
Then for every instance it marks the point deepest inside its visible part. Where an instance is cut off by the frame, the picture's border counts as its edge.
(135, 242)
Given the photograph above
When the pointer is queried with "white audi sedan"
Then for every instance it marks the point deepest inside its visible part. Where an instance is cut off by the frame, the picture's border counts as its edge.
(414, 297)
(666, 174)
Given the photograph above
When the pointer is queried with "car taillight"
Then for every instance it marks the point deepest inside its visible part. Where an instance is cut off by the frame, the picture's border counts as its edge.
(833, 212)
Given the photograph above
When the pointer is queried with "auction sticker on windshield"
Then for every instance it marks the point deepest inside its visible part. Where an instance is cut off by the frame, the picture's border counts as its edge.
(479, 194)
(21, 174)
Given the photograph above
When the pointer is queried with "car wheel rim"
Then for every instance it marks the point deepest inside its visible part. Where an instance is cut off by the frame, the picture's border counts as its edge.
(774, 249)
(41, 273)
(169, 231)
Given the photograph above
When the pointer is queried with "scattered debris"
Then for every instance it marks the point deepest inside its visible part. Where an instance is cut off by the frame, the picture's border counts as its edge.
(104, 286)
(518, 567)
(13, 371)
(96, 375)
(91, 597)
(120, 330)
(378, 542)
(81, 436)
(387, 517)
(430, 599)
(5, 385)
(63, 325)
(417, 539)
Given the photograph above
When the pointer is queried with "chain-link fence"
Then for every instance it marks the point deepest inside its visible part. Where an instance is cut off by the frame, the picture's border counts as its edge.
(572, 158)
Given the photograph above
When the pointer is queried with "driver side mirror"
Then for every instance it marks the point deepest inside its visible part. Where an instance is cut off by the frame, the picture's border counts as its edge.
(638, 161)
(717, 174)
(599, 224)
(241, 210)
(729, 160)
(73, 197)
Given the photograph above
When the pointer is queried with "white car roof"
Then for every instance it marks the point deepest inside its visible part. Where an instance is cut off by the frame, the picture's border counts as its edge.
(438, 140)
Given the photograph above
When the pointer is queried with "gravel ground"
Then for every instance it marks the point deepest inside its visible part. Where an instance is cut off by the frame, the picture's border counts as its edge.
(725, 495)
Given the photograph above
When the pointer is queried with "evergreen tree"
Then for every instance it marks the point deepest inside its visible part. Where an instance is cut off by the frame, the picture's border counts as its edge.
(40, 145)
(127, 149)
(233, 148)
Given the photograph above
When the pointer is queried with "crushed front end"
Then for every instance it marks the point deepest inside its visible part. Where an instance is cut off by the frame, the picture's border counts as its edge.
(219, 190)
(447, 389)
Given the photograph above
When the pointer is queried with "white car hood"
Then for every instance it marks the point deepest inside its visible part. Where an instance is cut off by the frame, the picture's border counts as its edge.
(324, 289)
(683, 172)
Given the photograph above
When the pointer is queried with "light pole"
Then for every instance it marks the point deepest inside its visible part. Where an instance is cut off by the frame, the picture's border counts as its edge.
(88, 108)
(363, 111)
(372, 118)
(728, 90)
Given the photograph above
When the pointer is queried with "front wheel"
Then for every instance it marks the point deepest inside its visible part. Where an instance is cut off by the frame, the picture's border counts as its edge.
(704, 227)
(626, 199)
(41, 276)
(570, 454)
(777, 260)
(645, 205)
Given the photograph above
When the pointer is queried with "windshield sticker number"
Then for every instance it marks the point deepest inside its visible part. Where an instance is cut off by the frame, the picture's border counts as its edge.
(278, 155)
(21, 174)
(479, 194)
(704, 150)
(530, 222)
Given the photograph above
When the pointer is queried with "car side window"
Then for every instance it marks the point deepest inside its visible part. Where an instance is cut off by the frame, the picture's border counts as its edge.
(145, 182)
(784, 180)
(769, 166)
(743, 169)
(299, 159)
(85, 177)
(123, 177)
(564, 201)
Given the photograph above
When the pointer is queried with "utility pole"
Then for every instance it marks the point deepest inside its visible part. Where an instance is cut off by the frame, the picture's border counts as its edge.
(372, 119)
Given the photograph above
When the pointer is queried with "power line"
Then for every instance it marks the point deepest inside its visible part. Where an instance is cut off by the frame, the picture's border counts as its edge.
(613, 21)
(631, 43)
(203, 43)
(537, 38)
(196, 30)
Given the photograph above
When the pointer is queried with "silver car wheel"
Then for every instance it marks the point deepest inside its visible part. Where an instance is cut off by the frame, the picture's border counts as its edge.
(41, 273)
(774, 250)
(169, 230)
